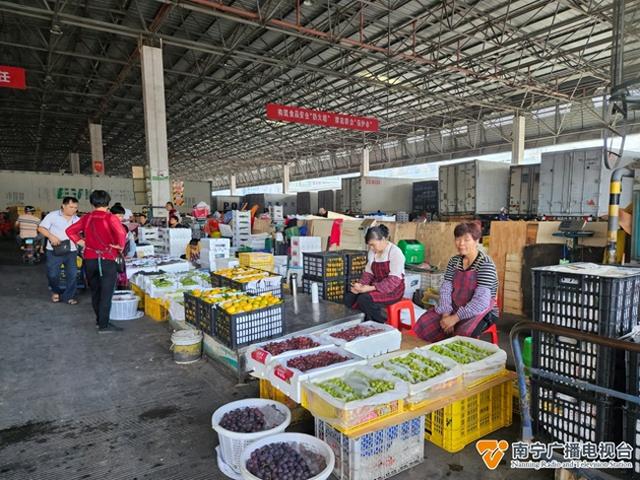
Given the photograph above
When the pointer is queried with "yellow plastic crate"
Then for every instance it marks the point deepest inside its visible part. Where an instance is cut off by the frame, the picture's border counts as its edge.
(462, 422)
(298, 412)
(156, 308)
(259, 260)
(140, 293)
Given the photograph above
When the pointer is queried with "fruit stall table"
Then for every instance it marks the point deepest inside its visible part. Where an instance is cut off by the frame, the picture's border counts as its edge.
(300, 316)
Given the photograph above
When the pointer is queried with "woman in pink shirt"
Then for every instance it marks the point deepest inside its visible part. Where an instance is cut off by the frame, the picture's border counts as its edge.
(102, 237)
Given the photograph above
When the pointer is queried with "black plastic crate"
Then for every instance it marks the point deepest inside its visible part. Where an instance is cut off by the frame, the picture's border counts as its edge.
(632, 435)
(332, 290)
(323, 265)
(207, 317)
(240, 329)
(574, 358)
(355, 261)
(607, 306)
(260, 287)
(633, 373)
(191, 309)
(565, 414)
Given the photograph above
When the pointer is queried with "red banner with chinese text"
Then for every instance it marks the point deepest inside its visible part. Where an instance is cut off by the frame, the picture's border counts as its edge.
(285, 113)
(13, 77)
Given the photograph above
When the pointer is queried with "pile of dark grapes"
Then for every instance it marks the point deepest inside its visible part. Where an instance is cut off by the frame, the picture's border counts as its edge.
(352, 333)
(296, 343)
(243, 420)
(315, 360)
(279, 461)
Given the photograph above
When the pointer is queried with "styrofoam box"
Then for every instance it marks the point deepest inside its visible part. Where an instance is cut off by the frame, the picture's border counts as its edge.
(223, 263)
(146, 234)
(144, 251)
(388, 340)
(472, 372)
(289, 381)
(177, 266)
(257, 359)
(300, 245)
(215, 243)
(280, 260)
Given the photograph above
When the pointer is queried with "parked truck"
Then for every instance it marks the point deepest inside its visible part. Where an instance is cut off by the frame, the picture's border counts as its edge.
(370, 194)
(523, 190)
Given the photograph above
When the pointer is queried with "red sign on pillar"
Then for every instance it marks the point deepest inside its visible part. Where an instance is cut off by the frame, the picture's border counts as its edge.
(98, 167)
(284, 113)
(13, 77)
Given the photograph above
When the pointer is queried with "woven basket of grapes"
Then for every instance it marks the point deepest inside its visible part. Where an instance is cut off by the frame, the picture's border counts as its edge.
(260, 355)
(291, 369)
(294, 456)
(428, 375)
(479, 360)
(367, 339)
(354, 397)
(242, 422)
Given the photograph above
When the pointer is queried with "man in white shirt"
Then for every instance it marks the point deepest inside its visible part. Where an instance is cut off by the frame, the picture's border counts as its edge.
(53, 228)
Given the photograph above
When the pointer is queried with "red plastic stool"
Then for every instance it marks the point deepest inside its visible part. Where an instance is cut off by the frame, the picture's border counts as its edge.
(393, 315)
(493, 331)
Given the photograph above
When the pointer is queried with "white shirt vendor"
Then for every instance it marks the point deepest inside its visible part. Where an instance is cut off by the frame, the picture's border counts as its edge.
(57, 225)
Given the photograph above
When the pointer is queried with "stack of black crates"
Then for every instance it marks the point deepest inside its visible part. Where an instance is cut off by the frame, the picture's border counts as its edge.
(597, 302)
(333, 272)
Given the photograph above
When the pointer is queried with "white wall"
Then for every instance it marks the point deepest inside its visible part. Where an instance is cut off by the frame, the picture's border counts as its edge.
(46, 190)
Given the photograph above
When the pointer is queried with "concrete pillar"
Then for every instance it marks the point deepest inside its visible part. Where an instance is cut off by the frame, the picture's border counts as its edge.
(155, 124)
(97, 154)
(517, 153)
(74, 163)
(232, 184)
(364, 166)
(285, 178)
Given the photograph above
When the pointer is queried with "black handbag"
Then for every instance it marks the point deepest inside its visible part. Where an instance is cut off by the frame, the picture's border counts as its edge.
(62, 248)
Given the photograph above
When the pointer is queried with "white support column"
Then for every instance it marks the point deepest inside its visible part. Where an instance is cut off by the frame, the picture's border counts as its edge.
(364, 166)
(232, 185)
(97, 153)
(517, 152)
(74, 163)
(285, 178)
(155, 123)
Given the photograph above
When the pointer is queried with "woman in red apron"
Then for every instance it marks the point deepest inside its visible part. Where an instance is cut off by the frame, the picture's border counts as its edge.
(382, 282)
(467, 295)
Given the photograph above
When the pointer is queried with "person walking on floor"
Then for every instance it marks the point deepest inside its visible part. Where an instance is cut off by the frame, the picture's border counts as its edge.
(102, 237)
(61, 251)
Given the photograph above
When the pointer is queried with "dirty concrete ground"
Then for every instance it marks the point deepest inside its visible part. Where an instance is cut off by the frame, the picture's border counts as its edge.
(76, 405)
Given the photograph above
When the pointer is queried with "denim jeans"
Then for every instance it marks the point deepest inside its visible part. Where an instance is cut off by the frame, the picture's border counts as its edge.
(70, 271)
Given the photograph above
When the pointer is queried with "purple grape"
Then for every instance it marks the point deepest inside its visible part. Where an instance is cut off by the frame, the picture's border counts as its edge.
(280, 461)
(243, 420)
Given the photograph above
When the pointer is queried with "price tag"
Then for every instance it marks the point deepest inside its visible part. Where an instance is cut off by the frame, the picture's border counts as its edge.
(260, 355)
(283, 373)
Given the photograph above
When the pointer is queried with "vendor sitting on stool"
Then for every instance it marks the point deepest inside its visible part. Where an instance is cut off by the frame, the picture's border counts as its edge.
(467, 296)
(382, 282)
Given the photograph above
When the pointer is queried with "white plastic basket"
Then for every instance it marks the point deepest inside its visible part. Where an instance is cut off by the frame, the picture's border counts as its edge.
(436, 387)
(257, 358)
(386, 341)
(232, 444)
(288, 380)
(475, 371)
(312, 443)
(124, 306)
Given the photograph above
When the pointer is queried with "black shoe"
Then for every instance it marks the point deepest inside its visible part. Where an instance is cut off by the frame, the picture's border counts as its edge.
(107, 329)
(115, 327)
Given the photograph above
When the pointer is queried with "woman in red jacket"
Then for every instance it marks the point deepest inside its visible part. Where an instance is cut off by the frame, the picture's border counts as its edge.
(102, 237)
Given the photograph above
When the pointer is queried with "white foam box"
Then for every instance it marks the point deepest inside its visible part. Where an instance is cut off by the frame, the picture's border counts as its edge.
(258, 359)
(385, 341)
(147, 234)
(300, 245)
(289, 380)
(144, 251)
(215, 244)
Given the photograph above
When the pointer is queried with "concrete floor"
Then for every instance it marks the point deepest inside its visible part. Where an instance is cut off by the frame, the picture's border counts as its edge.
(75, 405)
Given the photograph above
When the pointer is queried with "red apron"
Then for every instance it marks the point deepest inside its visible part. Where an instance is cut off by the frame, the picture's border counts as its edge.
(381, 271)
(464, 283)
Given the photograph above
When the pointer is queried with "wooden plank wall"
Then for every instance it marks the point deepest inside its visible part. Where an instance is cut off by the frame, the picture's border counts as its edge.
(439, 243)
(506, 238)
(512, 300)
